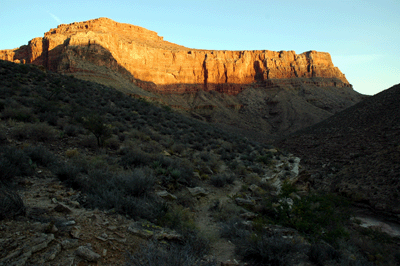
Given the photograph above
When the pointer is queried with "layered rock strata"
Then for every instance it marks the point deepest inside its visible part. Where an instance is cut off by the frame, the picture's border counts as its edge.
(145, 59)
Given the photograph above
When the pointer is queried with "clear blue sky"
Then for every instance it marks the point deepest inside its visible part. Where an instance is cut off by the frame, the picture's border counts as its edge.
(362, 36)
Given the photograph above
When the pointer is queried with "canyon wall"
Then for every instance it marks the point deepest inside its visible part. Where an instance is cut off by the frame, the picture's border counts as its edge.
(148, 61)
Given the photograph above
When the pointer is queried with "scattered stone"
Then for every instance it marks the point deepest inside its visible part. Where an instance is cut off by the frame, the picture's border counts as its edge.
(287, 201)
(229, 263)
(104, 252)
(146, 234)
(101, 238)
(87, 254)
(296, 164)
(69, 243)
(112, 228)
(50, 228)
(52, 252)
(207, 170)
(166, 195)
(40, 243)
(74, 204)
(75, 232)
(119, 234)
(254, 187)
(294, 196)
(62, 208)
(169, 236)
(68, 223)
(197, 192)
(248, 215)
(68, 261)
(241, 201)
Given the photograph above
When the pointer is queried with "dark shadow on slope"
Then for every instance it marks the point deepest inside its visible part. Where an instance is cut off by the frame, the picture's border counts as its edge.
(356, 152)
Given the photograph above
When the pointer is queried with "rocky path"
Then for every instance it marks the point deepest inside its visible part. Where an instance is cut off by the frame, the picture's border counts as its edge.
(221, 249)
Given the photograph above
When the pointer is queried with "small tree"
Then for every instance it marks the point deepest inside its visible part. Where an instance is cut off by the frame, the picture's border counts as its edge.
(95, 124)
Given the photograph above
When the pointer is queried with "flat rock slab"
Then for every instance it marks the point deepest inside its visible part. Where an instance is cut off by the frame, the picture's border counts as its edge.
(197, 192)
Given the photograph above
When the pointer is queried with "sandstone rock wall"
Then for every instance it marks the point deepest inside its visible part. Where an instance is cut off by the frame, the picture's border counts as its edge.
(158, 65)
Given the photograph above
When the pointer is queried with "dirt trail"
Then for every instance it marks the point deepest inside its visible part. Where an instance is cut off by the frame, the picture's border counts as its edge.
(222, 249)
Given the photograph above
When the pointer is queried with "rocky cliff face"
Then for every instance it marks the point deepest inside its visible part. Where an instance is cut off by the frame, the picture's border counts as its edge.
(265, 92)
(146, 59)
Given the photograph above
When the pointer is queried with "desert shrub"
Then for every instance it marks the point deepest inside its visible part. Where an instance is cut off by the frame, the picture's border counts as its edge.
(137, 183)
(21, 114)
(263, 247)
(179, 218)
(320, 254)
(49, 117)
(134, 158)
(71, 153)
(2, 104)
(222, 179)
(89, 142)
(40, 155)
(152, 147)
(178, 148)
(37, 132)
(266, 159)
(11, 204)
(68, 173)
(185, 169)
(113, 143)
(3, 137)
(154, 254)
(126, 193)
(13, 162)
(268, 250)
(315, 216)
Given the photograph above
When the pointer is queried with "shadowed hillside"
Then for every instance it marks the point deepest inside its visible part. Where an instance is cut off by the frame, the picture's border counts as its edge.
(356, 152)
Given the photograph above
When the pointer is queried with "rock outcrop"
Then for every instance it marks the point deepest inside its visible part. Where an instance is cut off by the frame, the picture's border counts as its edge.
(145, 59)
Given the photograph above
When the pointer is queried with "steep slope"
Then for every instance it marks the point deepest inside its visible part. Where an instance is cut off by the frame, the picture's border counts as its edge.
(138, 61)
(357, 151)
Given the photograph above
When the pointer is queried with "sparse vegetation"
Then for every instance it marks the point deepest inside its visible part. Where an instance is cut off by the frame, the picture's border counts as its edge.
(118, 158)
